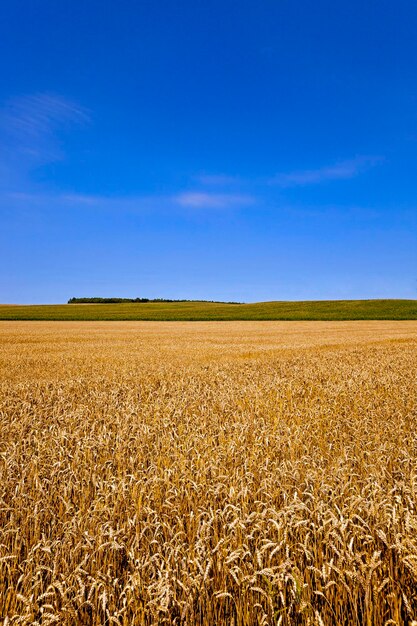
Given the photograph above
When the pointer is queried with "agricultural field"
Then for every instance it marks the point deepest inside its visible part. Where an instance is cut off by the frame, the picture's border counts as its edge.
(228, 473)
(207, 311)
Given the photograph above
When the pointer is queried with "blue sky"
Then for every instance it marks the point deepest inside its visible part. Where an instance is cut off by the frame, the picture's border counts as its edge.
(251, 150)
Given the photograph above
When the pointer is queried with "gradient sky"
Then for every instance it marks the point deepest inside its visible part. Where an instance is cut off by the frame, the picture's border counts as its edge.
(217, 149)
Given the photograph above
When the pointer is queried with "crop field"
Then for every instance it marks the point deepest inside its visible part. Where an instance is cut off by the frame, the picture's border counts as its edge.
(207, 311)
(208, 474)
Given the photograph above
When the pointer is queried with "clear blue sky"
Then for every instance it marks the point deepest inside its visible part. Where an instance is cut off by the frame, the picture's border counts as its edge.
(216, 149)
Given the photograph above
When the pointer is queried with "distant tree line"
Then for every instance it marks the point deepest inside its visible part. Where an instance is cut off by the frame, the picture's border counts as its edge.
(137, 300)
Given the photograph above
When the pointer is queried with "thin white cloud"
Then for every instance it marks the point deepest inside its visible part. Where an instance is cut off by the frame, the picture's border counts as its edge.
(40, 114)
(338, 171)
(131, 204)
(204, 200)
(30, 125)
(69, 201)
(44, 203)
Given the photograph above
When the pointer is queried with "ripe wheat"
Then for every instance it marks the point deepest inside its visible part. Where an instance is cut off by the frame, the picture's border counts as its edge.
(208, 474)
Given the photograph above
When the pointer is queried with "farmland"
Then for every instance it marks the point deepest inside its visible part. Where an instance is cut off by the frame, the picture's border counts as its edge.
(206, 311)
(210, 473)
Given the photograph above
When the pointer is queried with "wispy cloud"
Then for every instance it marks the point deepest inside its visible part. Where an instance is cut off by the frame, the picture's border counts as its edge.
(338, 171)
(204, 200)
(30, 134)
(39, 114)
(198, 201)
(72, 201)
(30, 125)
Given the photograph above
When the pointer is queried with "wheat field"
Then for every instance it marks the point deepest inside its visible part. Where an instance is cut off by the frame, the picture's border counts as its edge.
(226, 473)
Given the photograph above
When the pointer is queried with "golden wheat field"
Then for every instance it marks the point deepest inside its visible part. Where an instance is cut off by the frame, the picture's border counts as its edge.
(237, 473)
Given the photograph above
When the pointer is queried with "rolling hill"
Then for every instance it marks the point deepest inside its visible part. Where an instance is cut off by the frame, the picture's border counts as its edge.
(209, 311)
